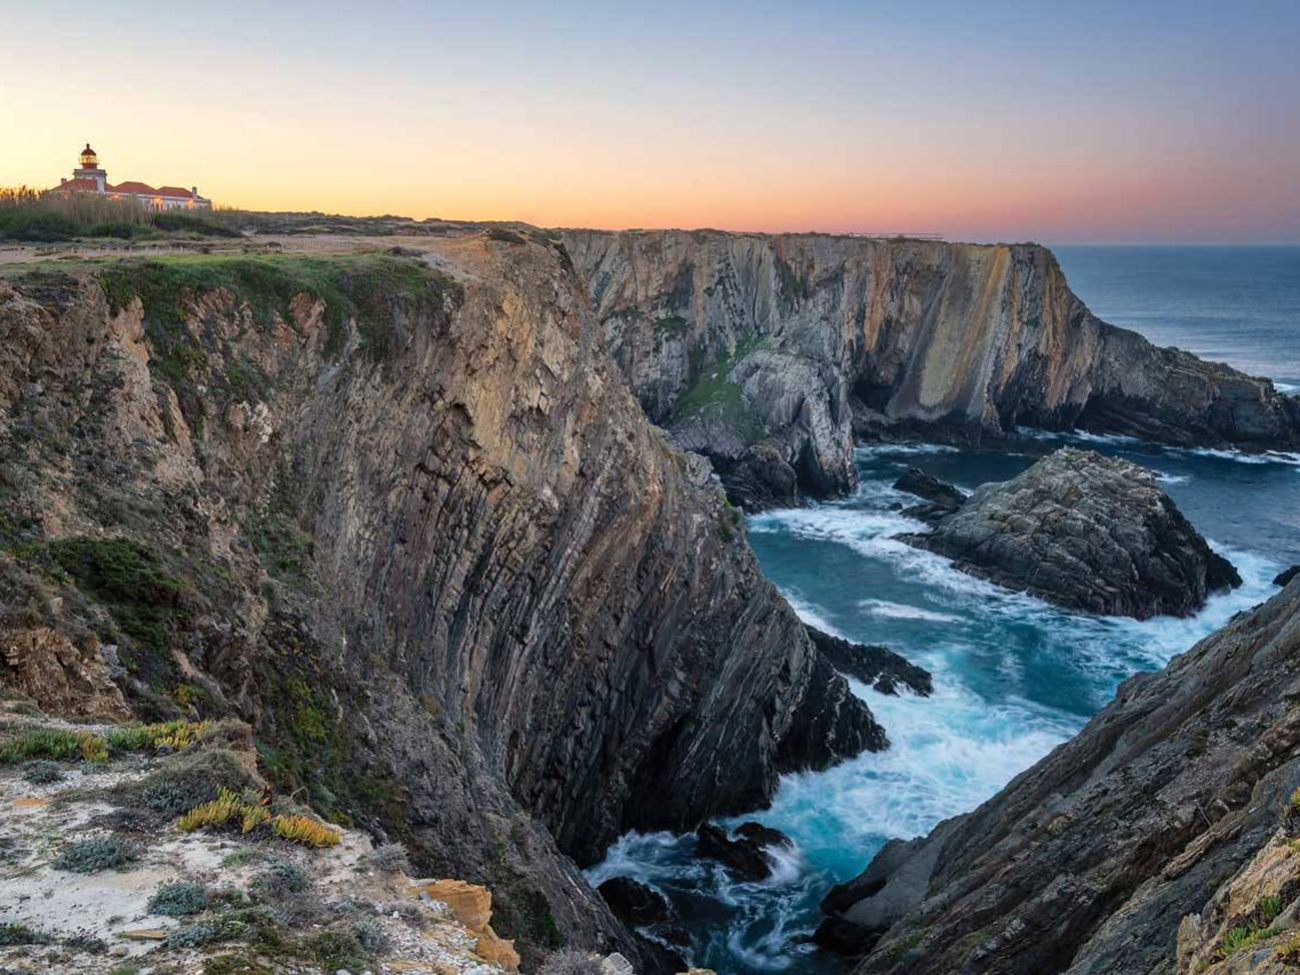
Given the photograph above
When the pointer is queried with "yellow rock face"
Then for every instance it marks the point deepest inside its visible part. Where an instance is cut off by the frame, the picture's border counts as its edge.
(471, 905)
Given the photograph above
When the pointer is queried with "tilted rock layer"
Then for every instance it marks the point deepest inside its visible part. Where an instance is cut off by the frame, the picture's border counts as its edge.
(1087, 532)
(1088, 862)
(765, 351)
(412, 525)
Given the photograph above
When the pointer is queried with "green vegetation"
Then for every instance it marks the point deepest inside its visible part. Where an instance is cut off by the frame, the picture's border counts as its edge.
(42, 772)
(1242, 937)
(92, 856)
(362, 288)
(61, 744)
(129, 579)
(504, 236)
(793, 286)
(21, 934)
(279, 879)
(714, 395)
(230, 808)
(31, 215)
(186, 780)
(1291, 815)
(178, 899)
(53, 743)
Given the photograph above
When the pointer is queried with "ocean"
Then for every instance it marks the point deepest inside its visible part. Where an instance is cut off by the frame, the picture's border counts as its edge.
(1014, 676)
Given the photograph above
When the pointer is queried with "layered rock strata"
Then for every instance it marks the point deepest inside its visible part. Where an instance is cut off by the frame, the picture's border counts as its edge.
(1165, 805)
(401, 514)
(769, 353)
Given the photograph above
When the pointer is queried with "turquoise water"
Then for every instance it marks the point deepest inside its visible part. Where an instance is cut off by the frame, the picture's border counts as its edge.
(1013, 676)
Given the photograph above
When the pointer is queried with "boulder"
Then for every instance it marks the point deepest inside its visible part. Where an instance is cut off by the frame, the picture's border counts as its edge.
(633, 902)
(1086, 532)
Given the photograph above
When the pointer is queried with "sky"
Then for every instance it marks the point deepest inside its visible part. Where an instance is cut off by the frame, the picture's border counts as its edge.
(1142, 121)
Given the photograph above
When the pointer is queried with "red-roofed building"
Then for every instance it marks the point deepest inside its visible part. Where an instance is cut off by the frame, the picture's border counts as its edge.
(89, 178)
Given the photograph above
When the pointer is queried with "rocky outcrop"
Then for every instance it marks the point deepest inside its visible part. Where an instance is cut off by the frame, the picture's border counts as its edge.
(764, 351)
(877, 667)
(744, 856)
(402, 515)
(1087, 532)
(940, 497)
(1087, 862)
(1286, 575)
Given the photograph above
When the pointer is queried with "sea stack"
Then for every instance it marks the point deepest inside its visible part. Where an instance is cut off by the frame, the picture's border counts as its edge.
(1086, 532)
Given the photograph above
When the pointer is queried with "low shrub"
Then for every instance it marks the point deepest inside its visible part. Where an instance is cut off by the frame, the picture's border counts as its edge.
(178, 899)
(192, 935)
(388, 858)
(569, 961)
(186, 780)
(338, 948)
(371, 936)
(42, 772)
(280, 878)
(92, 856)
(21, 934)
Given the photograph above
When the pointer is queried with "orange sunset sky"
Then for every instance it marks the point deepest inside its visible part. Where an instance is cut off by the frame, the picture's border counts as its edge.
(999, 120)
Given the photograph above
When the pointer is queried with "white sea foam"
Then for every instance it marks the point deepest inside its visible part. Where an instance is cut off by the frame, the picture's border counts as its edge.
(884, 609)
(1172, 478)
(902, 449)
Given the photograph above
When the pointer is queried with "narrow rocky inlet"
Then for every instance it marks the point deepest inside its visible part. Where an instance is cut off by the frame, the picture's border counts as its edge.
(460, 526)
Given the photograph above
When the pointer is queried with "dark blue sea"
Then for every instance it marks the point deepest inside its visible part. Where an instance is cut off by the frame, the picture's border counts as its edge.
(1014, 677)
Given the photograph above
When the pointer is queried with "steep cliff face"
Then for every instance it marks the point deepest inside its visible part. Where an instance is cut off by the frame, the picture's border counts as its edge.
(398, 512)
(1088, 861)
(763, 351)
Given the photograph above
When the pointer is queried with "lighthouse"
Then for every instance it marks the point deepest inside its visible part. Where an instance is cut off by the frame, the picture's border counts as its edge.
(90, 170)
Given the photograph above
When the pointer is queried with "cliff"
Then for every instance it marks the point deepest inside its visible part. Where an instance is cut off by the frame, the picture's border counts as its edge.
(763, 352)
(397, 511)
(1161, 814)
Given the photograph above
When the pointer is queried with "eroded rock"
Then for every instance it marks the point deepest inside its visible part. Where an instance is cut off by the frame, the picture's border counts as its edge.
(1087, 532)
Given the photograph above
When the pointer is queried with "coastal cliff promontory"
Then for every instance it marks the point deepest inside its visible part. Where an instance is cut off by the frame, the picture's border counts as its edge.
(768, 353)
(398, 512)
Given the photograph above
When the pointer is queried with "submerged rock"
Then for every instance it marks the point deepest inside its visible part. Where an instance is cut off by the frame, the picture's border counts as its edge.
(744, 857)
(876, 666)
(633, 902)
(1086, 532)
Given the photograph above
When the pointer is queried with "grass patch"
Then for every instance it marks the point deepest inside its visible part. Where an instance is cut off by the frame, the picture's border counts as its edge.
(713, 395)
(366, 289)
(185, 781)
(54, 743)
